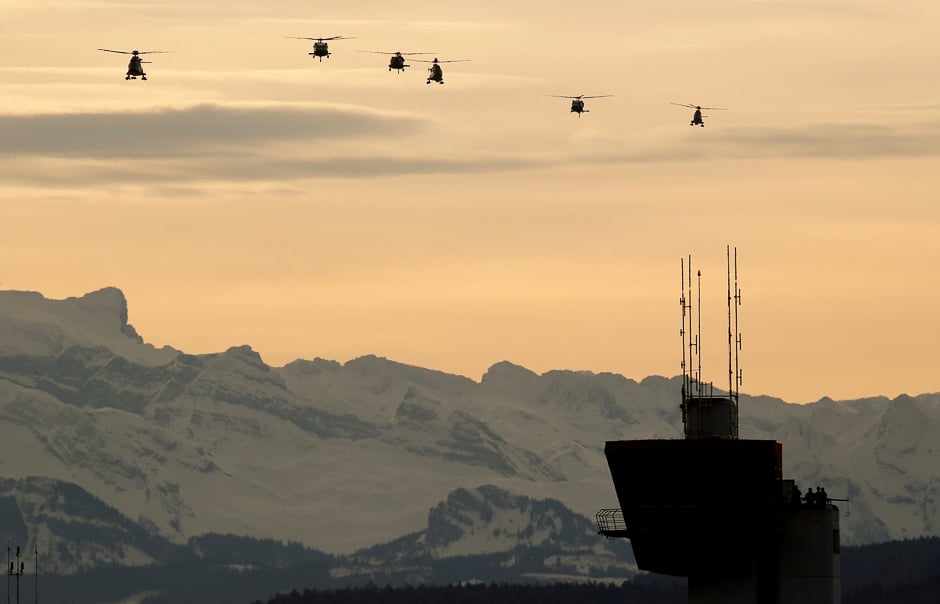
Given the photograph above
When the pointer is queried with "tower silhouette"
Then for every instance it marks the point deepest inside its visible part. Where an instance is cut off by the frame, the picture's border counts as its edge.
(715, 508)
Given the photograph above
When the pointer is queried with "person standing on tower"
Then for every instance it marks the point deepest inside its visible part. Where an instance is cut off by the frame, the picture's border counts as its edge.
(795, 496)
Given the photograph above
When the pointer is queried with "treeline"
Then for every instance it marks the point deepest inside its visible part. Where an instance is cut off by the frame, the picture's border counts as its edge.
(923, 592)
(628, 592)
(905, 571)
(239, 570)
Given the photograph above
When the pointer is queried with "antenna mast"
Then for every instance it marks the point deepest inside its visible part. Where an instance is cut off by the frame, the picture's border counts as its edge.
(689, 376)
(734, 338)
(739, 378)
(682, 304)
(705, 413)
(730, 350)
(692, 342)
(698, 336)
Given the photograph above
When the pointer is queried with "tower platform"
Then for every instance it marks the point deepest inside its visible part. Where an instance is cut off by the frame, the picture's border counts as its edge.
(685, 502)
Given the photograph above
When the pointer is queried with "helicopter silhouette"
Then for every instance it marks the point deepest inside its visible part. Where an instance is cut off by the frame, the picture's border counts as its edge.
(396, 60)
(320, 47)
(435, 72)
(134, 67)
(577, 102)
(697, 118)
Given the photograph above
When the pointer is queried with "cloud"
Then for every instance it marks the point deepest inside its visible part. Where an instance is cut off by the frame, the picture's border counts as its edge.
(172, 132)
(214, 144)
(244, 167)
(839, 141)
(845, 141)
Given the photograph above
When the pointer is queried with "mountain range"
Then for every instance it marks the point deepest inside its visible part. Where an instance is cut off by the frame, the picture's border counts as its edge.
(113, 451)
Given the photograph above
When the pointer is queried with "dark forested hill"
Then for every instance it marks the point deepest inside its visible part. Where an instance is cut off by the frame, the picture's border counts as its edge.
(629, 592)
(888, 573)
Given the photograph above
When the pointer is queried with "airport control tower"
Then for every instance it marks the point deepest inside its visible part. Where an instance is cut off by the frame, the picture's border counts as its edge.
(716, 508)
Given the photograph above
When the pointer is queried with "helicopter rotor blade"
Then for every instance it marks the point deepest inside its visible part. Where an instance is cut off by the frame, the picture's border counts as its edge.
(404, 54)
(715, 108)
(136, 52)
(580, 96)
(684, 105)
(320, 39)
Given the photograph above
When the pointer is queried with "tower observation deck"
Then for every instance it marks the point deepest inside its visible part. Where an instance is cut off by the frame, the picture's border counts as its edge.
(715, 508)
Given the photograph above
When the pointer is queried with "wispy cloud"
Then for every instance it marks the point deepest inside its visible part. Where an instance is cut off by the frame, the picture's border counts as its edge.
(834, 140)
(224, 143)
(215, 143)
(173, 132)
(242, 168)
(839, 141)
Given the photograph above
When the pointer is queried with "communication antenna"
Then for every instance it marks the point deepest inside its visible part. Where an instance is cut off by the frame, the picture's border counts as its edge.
(682, 319)
(705, 413)
(686, 309)
(734, 337)
(698, 335)
(16, 569)
(738, 342)
(690, 352)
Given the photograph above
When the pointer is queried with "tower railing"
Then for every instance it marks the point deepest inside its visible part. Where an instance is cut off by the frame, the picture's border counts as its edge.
(610, 523)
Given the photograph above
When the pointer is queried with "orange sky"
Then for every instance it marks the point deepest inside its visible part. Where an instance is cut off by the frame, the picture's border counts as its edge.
(246, 194)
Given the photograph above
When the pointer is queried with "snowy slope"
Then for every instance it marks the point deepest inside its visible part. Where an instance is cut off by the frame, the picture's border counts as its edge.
(345, 456)
(541, 539)
(33, 326)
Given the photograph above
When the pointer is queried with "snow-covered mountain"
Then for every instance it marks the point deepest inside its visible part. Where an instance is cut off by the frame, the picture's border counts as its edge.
(73, 530)
(345, 456)
(497, 534)
(485, 533)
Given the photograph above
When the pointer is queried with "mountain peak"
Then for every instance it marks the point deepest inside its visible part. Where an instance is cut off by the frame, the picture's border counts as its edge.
(506, 371)
(34, 324)
(106, 303)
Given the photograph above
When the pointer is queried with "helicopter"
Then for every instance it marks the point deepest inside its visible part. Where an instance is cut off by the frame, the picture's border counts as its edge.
(435, 72)
(320, 47)
(397, 59)
(134, 67)
(697, 117)
(577, 102)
